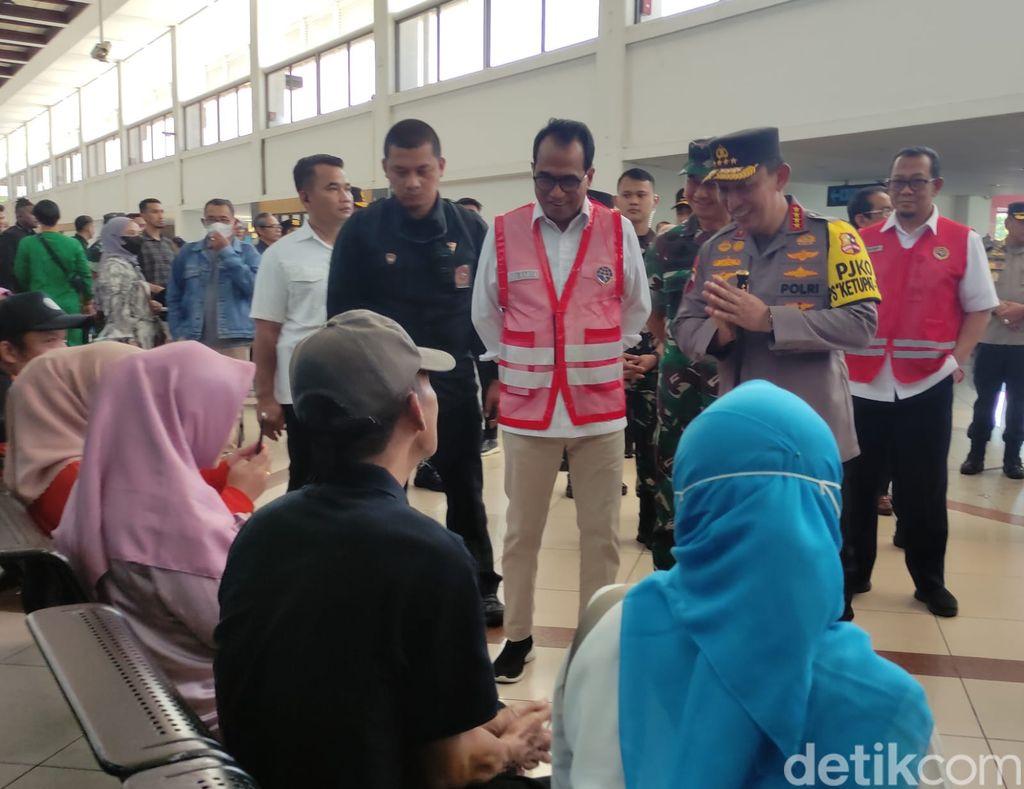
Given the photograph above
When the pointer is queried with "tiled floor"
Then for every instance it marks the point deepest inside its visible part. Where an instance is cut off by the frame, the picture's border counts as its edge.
(971, 667)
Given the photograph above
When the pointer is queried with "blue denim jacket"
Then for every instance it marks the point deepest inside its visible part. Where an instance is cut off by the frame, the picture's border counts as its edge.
(186, 291)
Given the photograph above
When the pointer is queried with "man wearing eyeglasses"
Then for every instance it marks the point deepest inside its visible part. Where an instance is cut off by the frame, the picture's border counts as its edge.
(938, 297)
(268, 230)
(561, 292)
(870, 205)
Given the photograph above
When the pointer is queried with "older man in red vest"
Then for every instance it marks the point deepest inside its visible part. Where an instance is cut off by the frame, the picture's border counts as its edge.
(937, 298)
(560, 292)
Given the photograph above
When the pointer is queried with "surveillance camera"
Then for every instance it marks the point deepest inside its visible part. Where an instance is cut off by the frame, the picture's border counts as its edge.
(101, 51)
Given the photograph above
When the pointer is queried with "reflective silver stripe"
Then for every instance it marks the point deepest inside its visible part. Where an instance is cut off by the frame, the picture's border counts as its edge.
(523, 379)
(593, 352)
(879, 341)
(517, 354)
(918, 354)
(581, 376)
(867, 352)
(948, 346)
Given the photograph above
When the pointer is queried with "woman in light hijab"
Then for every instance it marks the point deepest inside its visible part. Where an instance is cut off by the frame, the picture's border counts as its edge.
(48, 406)
(715, 673)
(143, 529)
(122, 290)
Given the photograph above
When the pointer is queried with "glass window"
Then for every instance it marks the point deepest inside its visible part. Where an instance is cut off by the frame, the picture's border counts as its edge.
(3, 157)
(568, 22)
(17, 155)
(19, 184)
(292, 27)
(228, 106)
(112, 154)
(279, 105)
(334, 79)
(99, 100)
(292, 93)
(362, 70)
(193, 127)
(69, 168)
(213, 47)
(64, 118)
(244, 110)
(417, 50)
(461, 38)
(40, 177)
(135, 143)
(163, 137)
(38, 130)
(663, 8)
(515, 30)
(211, 135)
(146, 80)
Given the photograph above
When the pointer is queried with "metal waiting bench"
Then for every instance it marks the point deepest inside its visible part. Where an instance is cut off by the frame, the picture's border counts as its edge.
(137, 725)
(48, 578)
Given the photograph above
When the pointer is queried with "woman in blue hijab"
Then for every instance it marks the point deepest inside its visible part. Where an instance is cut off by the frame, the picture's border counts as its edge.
(734, 661)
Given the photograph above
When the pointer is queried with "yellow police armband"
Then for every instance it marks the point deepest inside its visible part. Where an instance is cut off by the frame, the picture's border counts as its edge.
(851, 278)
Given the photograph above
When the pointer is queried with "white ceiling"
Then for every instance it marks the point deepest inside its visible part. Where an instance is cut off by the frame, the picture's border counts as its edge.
(64, 64)
(980, 156)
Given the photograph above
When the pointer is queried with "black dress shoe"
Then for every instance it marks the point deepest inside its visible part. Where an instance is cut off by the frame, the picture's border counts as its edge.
(860, 587)
(428, 478)
(1013, 468)
(939, 601)
(973, 465)
(494, 611)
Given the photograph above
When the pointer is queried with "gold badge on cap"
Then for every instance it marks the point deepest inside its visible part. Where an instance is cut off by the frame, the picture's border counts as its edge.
(722, 155)
(940, 253)
(390, 258)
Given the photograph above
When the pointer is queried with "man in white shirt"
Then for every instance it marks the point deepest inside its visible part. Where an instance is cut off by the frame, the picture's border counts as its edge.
(561, 291)
(937, 296)
(290, 297)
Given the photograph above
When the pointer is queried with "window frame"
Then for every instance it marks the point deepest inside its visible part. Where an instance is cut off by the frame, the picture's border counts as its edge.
(198, 101)
(167, 115)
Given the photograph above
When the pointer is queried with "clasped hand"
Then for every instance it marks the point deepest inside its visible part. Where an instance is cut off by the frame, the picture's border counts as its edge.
(730, 307)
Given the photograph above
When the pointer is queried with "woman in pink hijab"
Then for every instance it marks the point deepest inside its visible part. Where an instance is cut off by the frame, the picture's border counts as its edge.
(47, 409)
(143, 529)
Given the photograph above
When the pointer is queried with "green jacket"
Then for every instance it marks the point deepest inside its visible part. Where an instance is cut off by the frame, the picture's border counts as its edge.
(35, 269)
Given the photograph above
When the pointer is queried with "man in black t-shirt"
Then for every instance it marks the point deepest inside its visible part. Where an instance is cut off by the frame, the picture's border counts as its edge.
(351, 642)
(413, 258)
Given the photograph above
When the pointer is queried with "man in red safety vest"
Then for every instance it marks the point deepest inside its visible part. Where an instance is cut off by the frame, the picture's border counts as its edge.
(937, 297)
(561, 291)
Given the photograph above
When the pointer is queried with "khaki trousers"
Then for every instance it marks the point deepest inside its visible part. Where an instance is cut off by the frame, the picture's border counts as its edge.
(531, 467)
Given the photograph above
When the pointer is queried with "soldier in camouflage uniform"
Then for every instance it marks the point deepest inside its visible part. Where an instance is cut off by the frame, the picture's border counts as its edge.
(685, 388)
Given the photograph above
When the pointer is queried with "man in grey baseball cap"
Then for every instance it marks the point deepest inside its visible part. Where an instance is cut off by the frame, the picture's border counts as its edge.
(378, 602)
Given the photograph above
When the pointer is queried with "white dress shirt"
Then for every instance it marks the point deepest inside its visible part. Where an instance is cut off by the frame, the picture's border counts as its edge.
(291, 289)
(561, 248)
(977, 293)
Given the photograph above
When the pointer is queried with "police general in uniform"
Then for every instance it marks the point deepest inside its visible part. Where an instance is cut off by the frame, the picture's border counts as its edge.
(413, 258)
(780, 292)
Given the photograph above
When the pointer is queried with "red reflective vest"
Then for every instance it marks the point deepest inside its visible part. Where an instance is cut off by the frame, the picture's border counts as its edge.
(920, 315)
(569, 345)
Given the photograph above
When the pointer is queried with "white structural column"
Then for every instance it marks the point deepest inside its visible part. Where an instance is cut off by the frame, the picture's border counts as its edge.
(608, 117)
(385, 83)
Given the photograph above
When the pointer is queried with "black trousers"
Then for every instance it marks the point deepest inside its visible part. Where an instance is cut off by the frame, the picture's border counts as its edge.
(995, 365)
(457, 462)
(914, 434)
(300, 450)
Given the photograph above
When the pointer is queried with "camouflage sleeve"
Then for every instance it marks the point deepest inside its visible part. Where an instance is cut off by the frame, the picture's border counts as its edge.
(655, 274)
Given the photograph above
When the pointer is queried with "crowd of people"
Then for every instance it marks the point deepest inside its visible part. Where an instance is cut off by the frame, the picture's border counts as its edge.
(782, 378)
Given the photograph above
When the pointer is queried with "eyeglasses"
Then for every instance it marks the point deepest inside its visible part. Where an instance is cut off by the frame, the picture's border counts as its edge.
(899, 184)
(886, 212)
(567, 183)
(270, 227)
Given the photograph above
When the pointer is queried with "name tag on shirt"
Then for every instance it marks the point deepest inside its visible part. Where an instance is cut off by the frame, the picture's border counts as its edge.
(516, 276)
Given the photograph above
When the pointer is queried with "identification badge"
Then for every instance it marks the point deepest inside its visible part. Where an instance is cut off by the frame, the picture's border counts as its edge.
(517, 276)
(463, 276)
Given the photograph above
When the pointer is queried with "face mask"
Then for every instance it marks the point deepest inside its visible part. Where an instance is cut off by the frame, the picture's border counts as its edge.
(132, 243)
(226, 230)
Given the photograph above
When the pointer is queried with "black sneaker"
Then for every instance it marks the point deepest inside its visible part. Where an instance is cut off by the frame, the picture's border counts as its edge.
(489, 446)
(1013, 468)
(973, 465)
(939, 601)
(428, 478)
(625, 489)
(511, 663)
(494, 611)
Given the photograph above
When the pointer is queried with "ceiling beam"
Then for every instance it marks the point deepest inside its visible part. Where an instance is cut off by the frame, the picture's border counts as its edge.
(28, 39)
(41, 16)
(14, 56)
